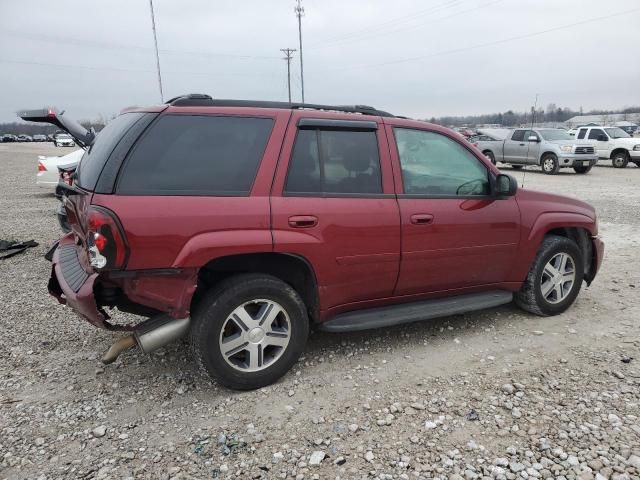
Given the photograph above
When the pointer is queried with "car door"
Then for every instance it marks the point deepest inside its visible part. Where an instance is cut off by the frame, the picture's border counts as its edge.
(532, 148)
(515, 147)
(333, 203)
(600, 141)
(455, 234)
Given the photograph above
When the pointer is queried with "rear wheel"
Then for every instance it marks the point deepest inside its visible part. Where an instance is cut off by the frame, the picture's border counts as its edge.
(550, 164)
(555, 278)
(582, 169)
(620, 160)
(249, 331)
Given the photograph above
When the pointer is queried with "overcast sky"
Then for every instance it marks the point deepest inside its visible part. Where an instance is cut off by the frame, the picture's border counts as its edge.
(419, 58)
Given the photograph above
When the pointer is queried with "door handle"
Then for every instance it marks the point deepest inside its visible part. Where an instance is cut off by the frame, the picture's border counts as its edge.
(421, 218)
(303, 221)
(522, 144)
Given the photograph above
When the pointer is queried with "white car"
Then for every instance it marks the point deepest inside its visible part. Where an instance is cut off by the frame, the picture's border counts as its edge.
(64, 140)
(612, 143)
(48, 175)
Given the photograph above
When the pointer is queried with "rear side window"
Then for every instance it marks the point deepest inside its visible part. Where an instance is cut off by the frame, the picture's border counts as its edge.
(582, 133)
(518, 135)
(334, 161)
(196, 155)
(595, 133)
(94, 159)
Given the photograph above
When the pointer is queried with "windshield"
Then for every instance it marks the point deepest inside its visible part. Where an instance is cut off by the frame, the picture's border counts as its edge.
(617, 133)
(64, 136)
(555, 134)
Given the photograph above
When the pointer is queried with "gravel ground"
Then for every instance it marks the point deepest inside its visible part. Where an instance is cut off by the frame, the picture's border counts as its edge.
(495, 394)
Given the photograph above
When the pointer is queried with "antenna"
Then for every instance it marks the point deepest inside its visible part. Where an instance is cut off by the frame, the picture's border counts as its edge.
(155, 43)
(533, 119)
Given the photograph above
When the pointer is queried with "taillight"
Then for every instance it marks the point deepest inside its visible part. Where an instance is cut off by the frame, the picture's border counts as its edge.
(41, 167)
(105, 240)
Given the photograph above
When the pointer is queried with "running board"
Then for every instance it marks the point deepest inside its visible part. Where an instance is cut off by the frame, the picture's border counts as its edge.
(412, 312)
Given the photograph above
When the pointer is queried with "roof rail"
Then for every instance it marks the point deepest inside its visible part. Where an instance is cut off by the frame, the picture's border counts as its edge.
(202, 100)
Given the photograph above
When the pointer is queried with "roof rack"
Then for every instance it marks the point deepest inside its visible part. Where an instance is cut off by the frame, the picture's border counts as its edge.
(202, 100)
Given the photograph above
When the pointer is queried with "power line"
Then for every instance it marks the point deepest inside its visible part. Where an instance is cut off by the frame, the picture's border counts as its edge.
(288, 57)
(487, 44)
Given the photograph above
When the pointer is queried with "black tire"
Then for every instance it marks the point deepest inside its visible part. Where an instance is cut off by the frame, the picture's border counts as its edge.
(620, 160)
(517, 167)
(582, 169)
(530, 297)
(215, 307)
(550, 164)
(489, 154)
(637, 163)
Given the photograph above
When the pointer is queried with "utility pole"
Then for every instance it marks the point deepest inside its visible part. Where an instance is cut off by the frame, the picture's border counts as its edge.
(155, 42)
(299, 9)
(288, 57)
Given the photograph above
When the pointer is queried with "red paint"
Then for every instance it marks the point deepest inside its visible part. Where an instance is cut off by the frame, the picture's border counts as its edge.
(364, 251)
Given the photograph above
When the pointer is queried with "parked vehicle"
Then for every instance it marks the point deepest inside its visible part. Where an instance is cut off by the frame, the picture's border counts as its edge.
(486, 144)
(48, 175)
(282, 216)
(24, 138)
(612, 143)
(39, 138)
(550, 148)
(9, 138)
(63, 140)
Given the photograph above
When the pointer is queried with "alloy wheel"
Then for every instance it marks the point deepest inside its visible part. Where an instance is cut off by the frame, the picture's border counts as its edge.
(255, 335)
(558, 277)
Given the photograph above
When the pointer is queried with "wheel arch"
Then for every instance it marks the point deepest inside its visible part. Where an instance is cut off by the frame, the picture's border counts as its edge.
(294, 270)
(618, 150)
(548, 152)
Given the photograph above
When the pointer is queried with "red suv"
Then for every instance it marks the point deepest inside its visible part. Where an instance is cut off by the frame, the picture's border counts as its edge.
(243, 224)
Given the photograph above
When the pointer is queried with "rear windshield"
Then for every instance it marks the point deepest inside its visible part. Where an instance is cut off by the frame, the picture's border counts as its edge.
(196, 155)
(94, 159)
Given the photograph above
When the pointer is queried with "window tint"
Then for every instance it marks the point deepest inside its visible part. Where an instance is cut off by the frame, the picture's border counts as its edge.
(433, 164)
(334, 161)
(582, 132)
(595, 133)
(94, 159)
(518, 135)
(196, 155)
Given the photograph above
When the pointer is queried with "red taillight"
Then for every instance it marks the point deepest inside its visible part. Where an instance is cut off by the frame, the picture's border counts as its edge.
(41, 167)
(105, 240)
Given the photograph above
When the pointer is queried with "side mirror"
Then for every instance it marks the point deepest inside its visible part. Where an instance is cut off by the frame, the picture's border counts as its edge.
(533, 138)
(506, 185)
(602, 138)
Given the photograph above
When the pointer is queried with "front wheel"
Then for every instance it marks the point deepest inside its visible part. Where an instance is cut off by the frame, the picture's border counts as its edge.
(489, 154)
(550, 164)
(582, 169)
(555, 278)
(620, 160)
(249, 331)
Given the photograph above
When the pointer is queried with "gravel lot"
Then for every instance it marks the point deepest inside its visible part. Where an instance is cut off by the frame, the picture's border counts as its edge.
(496, 394)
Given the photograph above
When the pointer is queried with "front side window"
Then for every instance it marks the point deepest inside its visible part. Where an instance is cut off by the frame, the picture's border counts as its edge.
(582, 133)
(334, 161)
(595, 133)
(196, 155)
(434, 164)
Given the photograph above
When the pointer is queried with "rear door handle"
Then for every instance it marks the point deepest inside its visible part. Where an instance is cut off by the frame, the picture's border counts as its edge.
(421, 218)
(303, 221)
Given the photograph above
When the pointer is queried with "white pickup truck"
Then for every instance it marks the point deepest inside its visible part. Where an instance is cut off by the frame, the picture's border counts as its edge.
(612, 143)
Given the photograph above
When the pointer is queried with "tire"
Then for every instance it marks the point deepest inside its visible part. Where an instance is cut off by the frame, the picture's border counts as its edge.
(550, 164)
(531, 297)
(620, 160)
(582, 169)
(637, 163)
(489, 154)
(241, 370)
(517, 167)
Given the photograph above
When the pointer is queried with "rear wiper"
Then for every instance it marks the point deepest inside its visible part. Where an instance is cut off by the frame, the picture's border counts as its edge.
(81, 135)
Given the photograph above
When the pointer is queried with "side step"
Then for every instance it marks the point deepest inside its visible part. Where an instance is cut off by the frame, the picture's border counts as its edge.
(412, 312)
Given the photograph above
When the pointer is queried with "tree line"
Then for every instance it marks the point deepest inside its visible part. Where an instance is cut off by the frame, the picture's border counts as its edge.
(551, 114)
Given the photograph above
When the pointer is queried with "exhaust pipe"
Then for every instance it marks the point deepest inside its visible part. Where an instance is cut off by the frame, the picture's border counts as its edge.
(150, 335)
